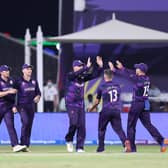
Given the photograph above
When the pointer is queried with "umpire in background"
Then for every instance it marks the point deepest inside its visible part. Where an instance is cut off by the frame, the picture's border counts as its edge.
(28, 94)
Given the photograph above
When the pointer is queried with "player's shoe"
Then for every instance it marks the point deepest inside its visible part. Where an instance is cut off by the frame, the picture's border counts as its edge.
(99, 150)
(19, 148)
(26, 149)
(80, 151)
(69, 146)
(127, 146)
(164, 145)
(165, 141)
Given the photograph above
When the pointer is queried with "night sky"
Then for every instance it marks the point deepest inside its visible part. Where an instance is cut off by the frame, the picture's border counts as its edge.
(17, 15)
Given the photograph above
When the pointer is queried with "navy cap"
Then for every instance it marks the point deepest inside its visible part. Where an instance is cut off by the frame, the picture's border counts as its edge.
(4, 68)
(142, 66)
(24, 66)
(78, 63)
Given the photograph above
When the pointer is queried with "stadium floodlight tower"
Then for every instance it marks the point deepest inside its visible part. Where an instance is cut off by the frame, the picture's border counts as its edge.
(27, 59)
(39, 37)
(39, 42)
(39, 57)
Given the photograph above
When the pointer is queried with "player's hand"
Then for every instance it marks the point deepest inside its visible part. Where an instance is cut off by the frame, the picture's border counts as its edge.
(55, 105)
(89, 109)
(89, 63)
(37, 99)
(111, 66)
(119, 65)
(14, 110)
(99, 61)
(12, 91)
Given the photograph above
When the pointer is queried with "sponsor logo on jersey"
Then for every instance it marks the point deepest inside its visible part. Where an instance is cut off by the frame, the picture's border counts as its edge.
(11, 82)
(29, 89)
(33, 82)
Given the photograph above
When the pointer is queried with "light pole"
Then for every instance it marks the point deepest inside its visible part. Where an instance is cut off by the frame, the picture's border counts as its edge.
(27, 58)
(39, 37)
(59, 34)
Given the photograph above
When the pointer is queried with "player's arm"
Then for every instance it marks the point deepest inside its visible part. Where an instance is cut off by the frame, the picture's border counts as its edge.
(37, 93)
(7, 92)
(94, 105)
(95, 72)
(15, 106)
(121, 70)
(98, 98)
(74, 75)
(16, 86)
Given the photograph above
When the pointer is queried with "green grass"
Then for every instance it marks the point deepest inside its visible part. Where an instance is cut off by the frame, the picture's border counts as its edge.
(57, 157)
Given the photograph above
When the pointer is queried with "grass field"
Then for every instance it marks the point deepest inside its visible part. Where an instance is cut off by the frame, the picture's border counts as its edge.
(57, 157)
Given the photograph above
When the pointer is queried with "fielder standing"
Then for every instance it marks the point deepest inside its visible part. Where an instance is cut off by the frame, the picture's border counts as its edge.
(110, 91)
(75, 101)
(28, 95)
(7, 102)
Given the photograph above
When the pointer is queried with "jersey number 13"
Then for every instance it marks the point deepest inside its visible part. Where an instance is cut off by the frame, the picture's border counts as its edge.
(113, 95)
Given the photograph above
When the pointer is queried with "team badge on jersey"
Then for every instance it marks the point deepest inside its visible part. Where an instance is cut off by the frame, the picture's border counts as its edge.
(33, 82)
(23, 83)
(11, 82)
(2, 83)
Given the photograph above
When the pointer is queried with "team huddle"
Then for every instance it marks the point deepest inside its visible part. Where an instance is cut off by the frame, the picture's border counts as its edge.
(22, 94)
(109, 92)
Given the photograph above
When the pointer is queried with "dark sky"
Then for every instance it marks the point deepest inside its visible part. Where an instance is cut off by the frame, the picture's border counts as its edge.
(17, 15)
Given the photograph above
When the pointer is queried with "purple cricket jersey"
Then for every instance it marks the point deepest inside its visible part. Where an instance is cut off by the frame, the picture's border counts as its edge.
(4, 86)
(141, 84)
(27, 90)
(75, 85)
(110, 94)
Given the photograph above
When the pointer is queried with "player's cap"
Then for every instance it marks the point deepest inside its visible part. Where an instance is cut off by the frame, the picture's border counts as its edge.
(77, 63)
(24, 66)
(142, 66)
(5, 68)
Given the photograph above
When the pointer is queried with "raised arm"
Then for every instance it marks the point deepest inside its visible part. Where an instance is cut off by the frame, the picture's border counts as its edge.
(73, 75)
(121, 70)
(95, 72)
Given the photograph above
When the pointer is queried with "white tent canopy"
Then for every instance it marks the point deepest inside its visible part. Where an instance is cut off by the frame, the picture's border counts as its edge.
(114, 31)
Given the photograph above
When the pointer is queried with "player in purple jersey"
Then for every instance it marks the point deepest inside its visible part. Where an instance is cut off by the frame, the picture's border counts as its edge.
(7, 101)
(109, 92)
(140, 104)
(75, 100)
(28, 94)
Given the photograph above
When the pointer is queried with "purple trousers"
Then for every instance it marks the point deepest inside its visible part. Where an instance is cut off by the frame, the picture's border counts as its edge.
(27, 116)
(114, 118)
(137, 112)
(8, 116)
(76, 125)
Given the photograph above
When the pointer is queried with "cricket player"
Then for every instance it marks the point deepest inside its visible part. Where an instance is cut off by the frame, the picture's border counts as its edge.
(7, 102)
(110, 93)
(75, 100)
(28, 94)
(140, 104)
